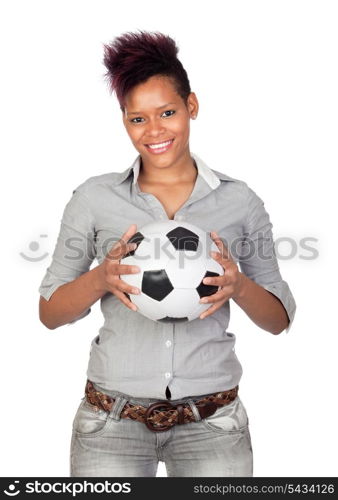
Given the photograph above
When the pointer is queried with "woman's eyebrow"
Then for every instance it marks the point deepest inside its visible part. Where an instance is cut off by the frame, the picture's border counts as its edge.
(140, 112)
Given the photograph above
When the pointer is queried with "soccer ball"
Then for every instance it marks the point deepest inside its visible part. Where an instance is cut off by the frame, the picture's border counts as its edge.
(174, 259)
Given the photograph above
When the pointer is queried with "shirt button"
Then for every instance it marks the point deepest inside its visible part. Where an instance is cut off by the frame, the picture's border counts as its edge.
(168, 343)
(167, 375)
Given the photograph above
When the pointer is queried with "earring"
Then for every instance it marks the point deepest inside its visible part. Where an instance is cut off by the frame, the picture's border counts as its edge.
(193, 117)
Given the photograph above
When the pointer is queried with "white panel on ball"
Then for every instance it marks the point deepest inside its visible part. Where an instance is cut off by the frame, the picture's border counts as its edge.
(186, 271)
(176, 304)
(148, 306)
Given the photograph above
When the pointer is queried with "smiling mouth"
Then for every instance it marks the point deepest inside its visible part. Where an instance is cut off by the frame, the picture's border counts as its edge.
(159, 147)
(162, 144)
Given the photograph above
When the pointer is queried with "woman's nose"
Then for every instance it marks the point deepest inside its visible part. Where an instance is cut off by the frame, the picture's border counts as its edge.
(154, 128)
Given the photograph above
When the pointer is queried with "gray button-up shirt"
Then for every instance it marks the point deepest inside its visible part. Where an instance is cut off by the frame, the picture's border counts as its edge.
(131, 353)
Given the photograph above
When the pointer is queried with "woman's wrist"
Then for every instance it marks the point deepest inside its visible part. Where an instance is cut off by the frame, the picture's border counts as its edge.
(97, 279)
(243, 281)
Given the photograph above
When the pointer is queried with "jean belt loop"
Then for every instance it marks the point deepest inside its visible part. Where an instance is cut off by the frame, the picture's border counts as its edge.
(194, 410)
(118, 405)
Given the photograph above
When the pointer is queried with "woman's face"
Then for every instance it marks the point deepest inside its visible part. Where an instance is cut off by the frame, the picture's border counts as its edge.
(155, 114)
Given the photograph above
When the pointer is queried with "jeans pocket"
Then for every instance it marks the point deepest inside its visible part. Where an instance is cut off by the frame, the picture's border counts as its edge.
(89, 422)
(228, 419)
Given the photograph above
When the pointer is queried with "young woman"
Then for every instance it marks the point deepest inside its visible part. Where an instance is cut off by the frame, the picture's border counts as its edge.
(161, 391)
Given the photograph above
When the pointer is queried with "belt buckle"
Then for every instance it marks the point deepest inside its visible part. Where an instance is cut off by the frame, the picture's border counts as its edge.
(150, 409)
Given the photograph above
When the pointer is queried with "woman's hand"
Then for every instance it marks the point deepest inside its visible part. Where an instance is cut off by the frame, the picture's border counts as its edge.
(110, 269)
(232, 281)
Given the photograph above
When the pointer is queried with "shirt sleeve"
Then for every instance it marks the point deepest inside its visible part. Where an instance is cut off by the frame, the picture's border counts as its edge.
(258, 259)
(75, 250)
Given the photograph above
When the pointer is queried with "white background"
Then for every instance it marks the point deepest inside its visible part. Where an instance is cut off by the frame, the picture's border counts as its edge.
(265, 74)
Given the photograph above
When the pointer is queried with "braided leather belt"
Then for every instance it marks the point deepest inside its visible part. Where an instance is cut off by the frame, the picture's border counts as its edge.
(161, 415)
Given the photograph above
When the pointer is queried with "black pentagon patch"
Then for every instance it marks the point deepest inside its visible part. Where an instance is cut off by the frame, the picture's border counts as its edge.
(168, 319)
(203, 289)
(136, 238)
(156, 284)
(183, 239)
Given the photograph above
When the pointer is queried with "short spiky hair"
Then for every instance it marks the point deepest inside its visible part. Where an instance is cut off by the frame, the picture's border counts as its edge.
(132, 58)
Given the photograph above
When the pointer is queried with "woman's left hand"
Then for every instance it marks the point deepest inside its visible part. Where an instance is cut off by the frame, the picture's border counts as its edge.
(232, 281)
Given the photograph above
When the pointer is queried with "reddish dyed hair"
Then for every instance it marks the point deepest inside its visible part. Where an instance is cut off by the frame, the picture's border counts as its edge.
(132, 58)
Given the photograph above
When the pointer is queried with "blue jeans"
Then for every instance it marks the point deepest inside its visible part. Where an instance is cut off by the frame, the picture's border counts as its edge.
(105, 445)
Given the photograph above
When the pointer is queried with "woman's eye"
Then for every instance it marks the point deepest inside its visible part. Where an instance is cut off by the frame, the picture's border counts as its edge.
(169, 111)
(137, 118)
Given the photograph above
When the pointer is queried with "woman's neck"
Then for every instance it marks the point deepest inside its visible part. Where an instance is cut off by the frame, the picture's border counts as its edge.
(182, 172)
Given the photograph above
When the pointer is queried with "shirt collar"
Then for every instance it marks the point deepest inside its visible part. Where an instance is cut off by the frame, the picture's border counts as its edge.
(211, 177)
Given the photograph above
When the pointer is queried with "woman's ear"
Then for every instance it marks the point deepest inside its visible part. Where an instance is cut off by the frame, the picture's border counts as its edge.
(124, 118)
(193, 105)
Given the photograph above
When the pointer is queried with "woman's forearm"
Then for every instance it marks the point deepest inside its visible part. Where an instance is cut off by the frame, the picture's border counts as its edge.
(264, 308)
(71, 300)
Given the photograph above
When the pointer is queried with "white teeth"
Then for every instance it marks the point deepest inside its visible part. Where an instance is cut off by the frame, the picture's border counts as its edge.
(162, 145)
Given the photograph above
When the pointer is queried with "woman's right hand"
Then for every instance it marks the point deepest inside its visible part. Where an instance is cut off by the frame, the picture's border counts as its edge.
(110, 269)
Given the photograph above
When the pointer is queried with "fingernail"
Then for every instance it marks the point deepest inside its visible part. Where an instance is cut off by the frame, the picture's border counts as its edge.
(136, 269)
(204, 300)
(135, 291)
